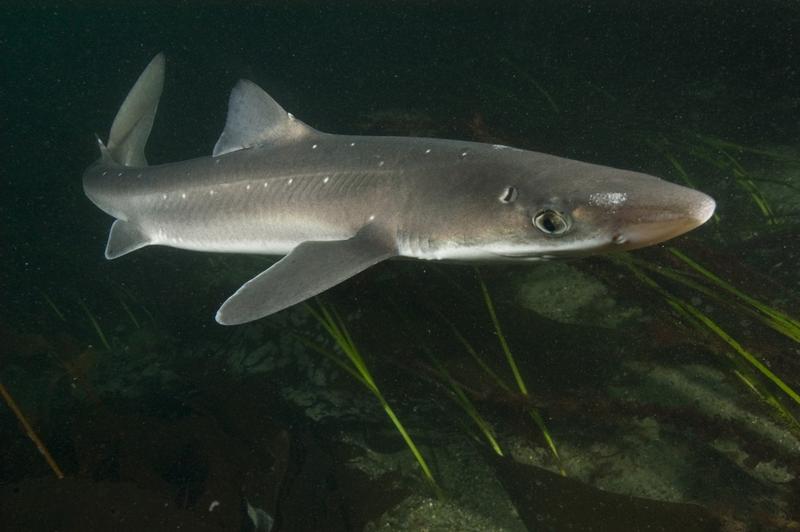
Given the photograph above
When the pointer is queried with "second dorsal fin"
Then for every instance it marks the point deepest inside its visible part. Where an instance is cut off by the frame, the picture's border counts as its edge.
(254, 118)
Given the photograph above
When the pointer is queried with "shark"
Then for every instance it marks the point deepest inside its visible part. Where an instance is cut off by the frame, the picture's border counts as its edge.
(335, 205)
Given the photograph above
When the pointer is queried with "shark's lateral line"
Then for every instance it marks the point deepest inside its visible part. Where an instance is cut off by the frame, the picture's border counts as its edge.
(335, 205)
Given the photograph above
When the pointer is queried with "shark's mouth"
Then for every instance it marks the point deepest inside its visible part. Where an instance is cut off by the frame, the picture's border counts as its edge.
(527, 256)
(565, 250)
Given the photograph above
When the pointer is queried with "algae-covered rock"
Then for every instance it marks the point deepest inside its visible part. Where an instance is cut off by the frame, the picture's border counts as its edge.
(559, 292)
(424, 513)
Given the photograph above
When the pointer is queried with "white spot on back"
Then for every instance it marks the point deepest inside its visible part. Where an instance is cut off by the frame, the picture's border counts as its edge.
(352, 144)
(105, 173)
(265, 184)
(326, 179)
(247, 187)
(183, 195)
(211, 192)
(381, 163)
(163, 196)
(371, 217)
(428, 150)
(119, 174)
(314, 147)
(291, 180)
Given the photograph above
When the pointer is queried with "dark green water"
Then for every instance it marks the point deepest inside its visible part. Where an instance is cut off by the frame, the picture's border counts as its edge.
(666, 379)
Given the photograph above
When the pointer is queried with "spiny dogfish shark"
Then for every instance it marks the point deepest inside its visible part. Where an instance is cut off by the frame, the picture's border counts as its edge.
(335, 205)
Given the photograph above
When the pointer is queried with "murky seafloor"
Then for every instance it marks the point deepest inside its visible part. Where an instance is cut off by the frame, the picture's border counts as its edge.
(652, 390)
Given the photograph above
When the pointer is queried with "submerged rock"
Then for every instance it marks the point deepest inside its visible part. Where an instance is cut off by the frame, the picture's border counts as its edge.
(562, 293)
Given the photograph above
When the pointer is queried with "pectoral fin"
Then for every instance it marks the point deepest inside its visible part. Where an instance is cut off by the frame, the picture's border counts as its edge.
(311, 268)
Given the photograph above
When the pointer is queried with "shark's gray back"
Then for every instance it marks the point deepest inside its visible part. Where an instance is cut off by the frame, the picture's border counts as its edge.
(268, 199)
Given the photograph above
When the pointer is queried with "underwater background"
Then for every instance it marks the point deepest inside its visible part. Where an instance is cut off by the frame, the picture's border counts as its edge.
(655, 390)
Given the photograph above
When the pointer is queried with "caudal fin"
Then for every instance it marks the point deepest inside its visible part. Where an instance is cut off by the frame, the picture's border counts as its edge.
(135, 117)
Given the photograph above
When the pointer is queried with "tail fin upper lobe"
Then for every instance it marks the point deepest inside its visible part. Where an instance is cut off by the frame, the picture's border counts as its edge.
(135, 117)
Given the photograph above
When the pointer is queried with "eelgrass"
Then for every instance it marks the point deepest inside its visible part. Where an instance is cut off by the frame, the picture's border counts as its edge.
(335, 327)
(141, 306)
(776, 319)
(512, 363)
(40, 446)
(546, 95)
(457, 390)
(95, 324)
(469, 408)
(769, 398)
(736, 346)
(725, 144)
(52, 305)
(130, 313)
(690, 282)
(705, 323)
(716, 155)
(523, 389)
(478, 360)
(745, 180)
(724, 156)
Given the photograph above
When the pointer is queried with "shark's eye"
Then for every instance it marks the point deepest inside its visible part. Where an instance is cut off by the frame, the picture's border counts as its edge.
(551, 222)
(509, 194)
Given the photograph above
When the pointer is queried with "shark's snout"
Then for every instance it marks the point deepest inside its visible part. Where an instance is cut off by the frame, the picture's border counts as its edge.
(705, 208)
(676, 212)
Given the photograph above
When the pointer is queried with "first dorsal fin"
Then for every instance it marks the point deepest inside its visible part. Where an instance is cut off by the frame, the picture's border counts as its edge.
(254, 118)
